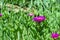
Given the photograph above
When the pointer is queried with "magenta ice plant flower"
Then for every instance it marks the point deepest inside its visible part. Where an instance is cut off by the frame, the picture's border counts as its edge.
(39, 18)
(31, 14)
(0, 14)
(55, 35)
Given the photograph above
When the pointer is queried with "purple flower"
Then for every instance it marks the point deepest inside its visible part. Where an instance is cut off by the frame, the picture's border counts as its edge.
(55, 35)
(39, 18)
(31, 14)
(0, 14)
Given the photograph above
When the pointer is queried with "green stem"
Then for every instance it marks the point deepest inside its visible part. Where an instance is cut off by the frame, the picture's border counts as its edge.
(55, 39)
(18, 33)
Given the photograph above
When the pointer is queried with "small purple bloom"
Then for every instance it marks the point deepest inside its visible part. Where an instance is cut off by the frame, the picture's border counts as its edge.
(55, 35)
(39, 18)
(0, 14)
(31, 14)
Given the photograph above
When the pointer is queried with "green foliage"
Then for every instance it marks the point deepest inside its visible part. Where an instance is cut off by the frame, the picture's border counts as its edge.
(20, 26)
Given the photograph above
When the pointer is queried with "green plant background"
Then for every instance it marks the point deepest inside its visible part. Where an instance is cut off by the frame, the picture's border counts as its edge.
(20, 26)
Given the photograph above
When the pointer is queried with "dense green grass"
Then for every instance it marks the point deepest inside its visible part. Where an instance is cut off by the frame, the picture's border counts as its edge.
(20, 26)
